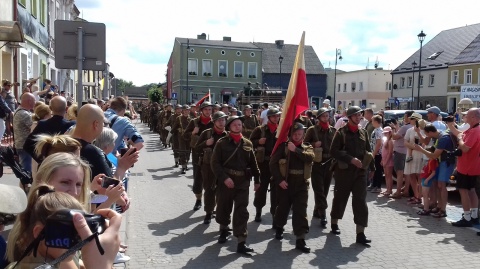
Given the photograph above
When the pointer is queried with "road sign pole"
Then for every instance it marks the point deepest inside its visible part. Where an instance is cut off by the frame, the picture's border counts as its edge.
(80, 66)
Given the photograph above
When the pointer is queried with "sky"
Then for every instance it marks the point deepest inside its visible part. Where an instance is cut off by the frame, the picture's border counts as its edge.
(141, 33)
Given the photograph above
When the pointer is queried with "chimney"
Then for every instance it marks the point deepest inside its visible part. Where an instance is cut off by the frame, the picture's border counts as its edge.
(202, 36)
(227, 38)
(279, 43)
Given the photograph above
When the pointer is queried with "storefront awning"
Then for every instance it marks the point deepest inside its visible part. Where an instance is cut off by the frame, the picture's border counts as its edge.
(11, 31)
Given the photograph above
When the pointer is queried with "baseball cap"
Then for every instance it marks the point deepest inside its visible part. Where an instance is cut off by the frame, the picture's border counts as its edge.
(434, 109)
(416, 115)
(13, 200)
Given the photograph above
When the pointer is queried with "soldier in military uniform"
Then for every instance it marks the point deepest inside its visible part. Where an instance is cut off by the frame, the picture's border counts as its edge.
(305, 121)
(250, 121)
(193, 111)
(293, 185)
(204, 147)
(353, 155)
(263, 139)
(178, 129)
(233, 164)
(194, 129)
(163, 119)
(225, 109)
(153, 117)
(320, 137)
(216, 108)
(174, 137)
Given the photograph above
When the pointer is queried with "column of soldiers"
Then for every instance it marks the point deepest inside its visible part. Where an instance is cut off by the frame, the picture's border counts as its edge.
(228, 151)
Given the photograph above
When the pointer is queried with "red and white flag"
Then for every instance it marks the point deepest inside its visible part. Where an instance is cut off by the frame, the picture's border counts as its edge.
(204, 98)
(296, 100)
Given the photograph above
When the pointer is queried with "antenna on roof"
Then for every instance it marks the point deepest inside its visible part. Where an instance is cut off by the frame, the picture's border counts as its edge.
(376, 63)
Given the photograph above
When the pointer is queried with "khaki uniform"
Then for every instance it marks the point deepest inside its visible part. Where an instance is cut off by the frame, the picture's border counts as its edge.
(193, 114)
(305, 121)
(265, 175)
(249, 125)
(178, 129)
(209, 180)
(235, 168)
(164, 117)
(197, 175)
(321, 174)
(295, 197)
(349, 179)
(174, 139)
(152, 123)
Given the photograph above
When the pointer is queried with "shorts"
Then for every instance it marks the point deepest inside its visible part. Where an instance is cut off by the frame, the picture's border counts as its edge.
(398, 161)
(444, 171)
(465, 181)
(429, 182)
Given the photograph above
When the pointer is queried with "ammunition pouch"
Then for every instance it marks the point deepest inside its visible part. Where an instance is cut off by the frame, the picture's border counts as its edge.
(260, 154)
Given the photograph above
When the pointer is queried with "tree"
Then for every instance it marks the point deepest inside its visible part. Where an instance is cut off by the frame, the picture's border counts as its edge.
(155, 94)
(120, 85)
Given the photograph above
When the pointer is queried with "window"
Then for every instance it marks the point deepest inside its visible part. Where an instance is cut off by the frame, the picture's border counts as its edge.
(222, 68)
(23, 2)
(468, 76)
(360, 85)
(223, 52)
(410, 81)
(252, 70)
(454, 79)
(207, 68)
(386, 86)
(207, 51)
(192, 50)
(252, 54)
(354, 85)
(338, 87)
(431, 80)
(420, 81)
(34, 8)
(192, 67)
(239, 53)
(42, 11)
(344, 87)
(402, 83)
(238, 69)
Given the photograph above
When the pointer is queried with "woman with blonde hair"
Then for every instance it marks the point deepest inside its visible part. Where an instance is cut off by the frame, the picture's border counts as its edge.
(72, 112)
(41, 112)
(29, 226)
(49, 144)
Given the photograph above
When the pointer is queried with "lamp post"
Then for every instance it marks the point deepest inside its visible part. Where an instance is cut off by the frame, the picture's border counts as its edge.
(280, 60)
(188, 49)
(338, 56)
(413, 82)
(421, 37)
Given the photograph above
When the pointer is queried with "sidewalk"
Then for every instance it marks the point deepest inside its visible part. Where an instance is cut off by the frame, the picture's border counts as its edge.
(164, 232)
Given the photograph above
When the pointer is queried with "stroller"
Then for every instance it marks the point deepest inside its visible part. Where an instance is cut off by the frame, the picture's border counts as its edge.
(7, 156)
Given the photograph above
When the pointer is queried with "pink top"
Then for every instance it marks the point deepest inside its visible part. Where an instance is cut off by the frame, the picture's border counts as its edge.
(468, 163)
(385, 154)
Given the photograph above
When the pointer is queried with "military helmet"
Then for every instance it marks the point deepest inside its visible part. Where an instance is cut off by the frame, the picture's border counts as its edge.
(232, 118)
(273, 112)
(218, 115)
(178, 106)
(247, 107)
(353, 110)
(320, 111)
(224, 105)
(168, 104)
(185, 107)
(205, 104)
(297, 126)
(193, 105)
(217, 106)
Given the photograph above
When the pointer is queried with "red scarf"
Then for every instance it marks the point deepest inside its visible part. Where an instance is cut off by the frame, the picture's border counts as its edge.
(272, 127)
(236, 137)
(353, 127)
(324, 125)
(217, 131)
(204, 120)
(297, 143)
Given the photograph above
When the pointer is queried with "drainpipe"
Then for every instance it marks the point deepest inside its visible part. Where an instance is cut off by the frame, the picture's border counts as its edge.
(15, 53)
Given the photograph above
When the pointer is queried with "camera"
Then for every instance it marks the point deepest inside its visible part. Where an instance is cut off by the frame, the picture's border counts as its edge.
(6, 219)
(107, 181)
(448, 119)
(61, 233)
(390, 121)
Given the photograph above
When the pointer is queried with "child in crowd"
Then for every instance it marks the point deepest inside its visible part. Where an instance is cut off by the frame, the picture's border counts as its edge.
(428, 173)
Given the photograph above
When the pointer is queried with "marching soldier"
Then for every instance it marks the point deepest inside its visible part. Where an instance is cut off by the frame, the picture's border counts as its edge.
(320, 137)
(291, 166)
(353, 156)
(215, 108)
(225, 109)
(193, 111)
(204, 147)
(194, 129)
(233, 164)
(178, 129)
(153, 117)
(250, 121)
(164, 116)
(305, 121)
(174, 137)
(263, 140)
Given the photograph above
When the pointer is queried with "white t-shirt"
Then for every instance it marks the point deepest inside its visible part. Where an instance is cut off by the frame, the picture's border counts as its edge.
(264, 117)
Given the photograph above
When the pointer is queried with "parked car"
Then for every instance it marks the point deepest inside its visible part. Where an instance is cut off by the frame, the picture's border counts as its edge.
(398, 114)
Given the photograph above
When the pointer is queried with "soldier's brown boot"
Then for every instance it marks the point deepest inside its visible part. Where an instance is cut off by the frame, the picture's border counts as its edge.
(302, 246)
(243, 248)
(223, 236)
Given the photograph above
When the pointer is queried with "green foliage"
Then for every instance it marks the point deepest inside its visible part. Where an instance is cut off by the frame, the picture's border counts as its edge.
(155, 94)
(120, 85)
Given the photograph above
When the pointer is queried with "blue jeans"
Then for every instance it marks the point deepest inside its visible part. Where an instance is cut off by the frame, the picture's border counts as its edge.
(25, 160)
(3, 250)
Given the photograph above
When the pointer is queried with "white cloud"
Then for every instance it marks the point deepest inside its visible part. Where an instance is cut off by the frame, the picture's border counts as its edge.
(143, 31)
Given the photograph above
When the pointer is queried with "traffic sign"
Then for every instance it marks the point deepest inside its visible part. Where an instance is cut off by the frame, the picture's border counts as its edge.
(174, 96)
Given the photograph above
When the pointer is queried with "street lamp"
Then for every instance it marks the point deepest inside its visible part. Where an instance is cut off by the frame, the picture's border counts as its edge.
(421, 37)
(338, 56)
(413, 82)
(188, 49)
(280, 60)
